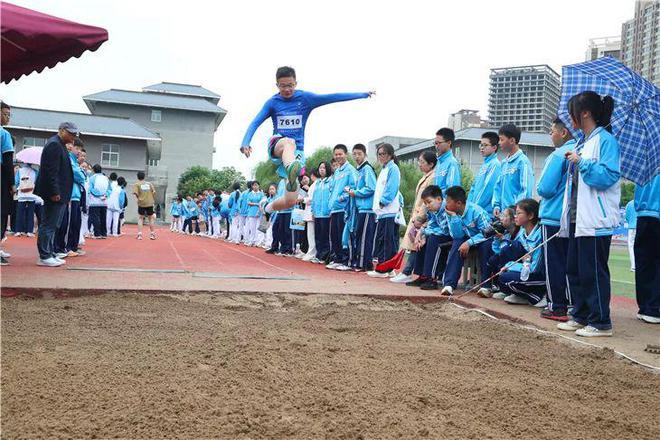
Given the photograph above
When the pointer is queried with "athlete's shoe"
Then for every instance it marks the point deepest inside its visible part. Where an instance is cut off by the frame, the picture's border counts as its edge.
(485, 292)
(541, 304)
(152, 236)
(591, 332)
(499, 295)
(4, 254)
(316, 261)
(332, 265)
(516, 299)
(401, 278)
(429, 285)
(374, 274)
(342, 267)
(292, 172)
(50, 262)
(4, 261)
(447, 291)
(418, 282)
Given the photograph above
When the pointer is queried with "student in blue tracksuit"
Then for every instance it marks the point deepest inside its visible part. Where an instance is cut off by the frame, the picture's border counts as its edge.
(67, 237)
(590, 213)
(191, 213)
(551, 187)
(481, 192)
(363, 192)
(505, 248)
(242, 212)
(224, 210)
(447, 169)
(175, 212)
(516, 180)
(631, 224)
(386, 206)
(647, 252)
(321, 212)
(233, 211)
(344, 176)
(253, 215)
(289, 111)
(285, 238)
(467, 222)
(432, 250)
(524, 283)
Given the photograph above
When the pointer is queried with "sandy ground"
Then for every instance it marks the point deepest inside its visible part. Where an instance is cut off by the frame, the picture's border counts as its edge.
(251, 367)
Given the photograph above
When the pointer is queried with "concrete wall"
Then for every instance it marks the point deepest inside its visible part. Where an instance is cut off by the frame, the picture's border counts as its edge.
(187, 137)
(132, 158)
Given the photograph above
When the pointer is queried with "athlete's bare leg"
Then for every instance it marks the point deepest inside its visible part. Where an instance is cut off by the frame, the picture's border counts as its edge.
(286, 150)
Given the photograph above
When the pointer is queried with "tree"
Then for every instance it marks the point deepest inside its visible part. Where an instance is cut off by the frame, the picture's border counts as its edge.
(467, 177)
(197, 179)
(627, 192)
(410, 175)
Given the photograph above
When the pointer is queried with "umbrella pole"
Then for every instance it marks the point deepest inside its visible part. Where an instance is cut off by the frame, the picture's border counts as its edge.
(501, 270)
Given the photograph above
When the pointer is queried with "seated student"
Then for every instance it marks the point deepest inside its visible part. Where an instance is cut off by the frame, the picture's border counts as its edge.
(524, 283)
(467, 222)
(432, 255)
(505, 248)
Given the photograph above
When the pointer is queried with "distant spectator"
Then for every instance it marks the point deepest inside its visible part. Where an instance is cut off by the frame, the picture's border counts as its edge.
(26, 177)
(99, 191)
(7, 163)
(54, 185)
(144, 193)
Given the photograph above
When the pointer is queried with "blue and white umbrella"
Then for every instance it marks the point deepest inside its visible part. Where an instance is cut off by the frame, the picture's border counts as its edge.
(636, 118)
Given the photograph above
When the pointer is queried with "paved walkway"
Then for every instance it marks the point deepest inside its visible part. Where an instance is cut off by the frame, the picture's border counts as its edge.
(177, 263)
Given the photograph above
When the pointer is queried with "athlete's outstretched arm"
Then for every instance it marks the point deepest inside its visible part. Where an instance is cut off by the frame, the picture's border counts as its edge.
(263, 114)
(319, 100)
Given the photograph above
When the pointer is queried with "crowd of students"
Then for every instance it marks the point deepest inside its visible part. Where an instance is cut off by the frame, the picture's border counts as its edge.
(70, 199)
(551, 253)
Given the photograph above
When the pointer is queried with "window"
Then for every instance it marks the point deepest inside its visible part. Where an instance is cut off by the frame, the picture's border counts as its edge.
(33, 142)
(156, 116)
(153, 162)
(109, 155)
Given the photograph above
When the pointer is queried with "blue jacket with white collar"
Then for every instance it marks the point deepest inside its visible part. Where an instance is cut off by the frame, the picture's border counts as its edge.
(447, 172)
(471, 224)
(647, 198)
(344, 176)
(516, 181)
(365, 187)
(552, 184)
(481, 192)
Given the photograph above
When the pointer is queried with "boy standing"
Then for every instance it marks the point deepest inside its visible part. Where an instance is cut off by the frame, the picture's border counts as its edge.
(144, 193)
(447, 170)
(364, 199)
(481, 192)
(516, 181)
(647, 253)
(551, 188)
(344, 178)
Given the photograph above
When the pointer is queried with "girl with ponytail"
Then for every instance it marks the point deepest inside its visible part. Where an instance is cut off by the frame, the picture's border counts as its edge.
(590, 213)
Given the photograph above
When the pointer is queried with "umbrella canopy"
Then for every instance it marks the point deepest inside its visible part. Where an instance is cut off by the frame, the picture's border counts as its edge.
(32, 41)
(30, 155)
(636, 118)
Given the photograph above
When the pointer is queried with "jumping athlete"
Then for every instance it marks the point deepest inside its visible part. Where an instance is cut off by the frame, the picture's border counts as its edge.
(289, 110)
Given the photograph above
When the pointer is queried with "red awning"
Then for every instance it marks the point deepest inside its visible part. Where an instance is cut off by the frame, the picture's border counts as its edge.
(32, 41)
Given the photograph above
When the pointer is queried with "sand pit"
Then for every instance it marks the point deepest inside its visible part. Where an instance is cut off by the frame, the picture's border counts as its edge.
(252, 367)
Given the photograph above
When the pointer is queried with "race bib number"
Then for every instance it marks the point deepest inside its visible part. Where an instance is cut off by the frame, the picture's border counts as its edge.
(145, 187)
(289, 122)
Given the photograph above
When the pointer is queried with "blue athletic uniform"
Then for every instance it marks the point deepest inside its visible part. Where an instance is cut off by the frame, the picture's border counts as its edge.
(289, 117)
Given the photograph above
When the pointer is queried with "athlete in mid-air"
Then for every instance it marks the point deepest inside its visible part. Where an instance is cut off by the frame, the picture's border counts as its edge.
(289, 110)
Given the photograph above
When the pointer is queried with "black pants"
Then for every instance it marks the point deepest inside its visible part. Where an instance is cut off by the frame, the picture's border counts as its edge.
(322, 237)
(339, 254)
(386, 244)
(97, 216)
(5, 208)
(647, 262)
(286, 235)
(62, 230)
(75, 222)
(50, 220)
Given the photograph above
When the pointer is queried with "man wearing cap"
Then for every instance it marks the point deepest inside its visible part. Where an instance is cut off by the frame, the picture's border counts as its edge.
(54, 185)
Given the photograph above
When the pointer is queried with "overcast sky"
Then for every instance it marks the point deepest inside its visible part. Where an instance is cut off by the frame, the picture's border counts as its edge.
(425, 59)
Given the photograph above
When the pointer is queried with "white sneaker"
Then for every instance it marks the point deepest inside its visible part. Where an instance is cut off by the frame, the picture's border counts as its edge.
(374, 274)
(649, 319)
(592, 332)
(18, 234)
(447, 291)
(542, 304)
(570, 326)
(50, 262)
(30, 234)
(499, 295)
(300, 255)
(332, 265)
(4, 254)
(401, 278)
(307, 257)
(61, 255)
(315, 261)
(484, 292)
(515, 299)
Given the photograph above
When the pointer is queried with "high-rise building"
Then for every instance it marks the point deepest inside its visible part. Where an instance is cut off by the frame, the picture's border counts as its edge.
(527, 96)
(465, 119)
(604, 47)
(640, 40)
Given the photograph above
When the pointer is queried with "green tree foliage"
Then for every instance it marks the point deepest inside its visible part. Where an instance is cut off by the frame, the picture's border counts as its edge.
(266, 173)
(197, 179)
(410, 175)
(627, 192)
(467, 177)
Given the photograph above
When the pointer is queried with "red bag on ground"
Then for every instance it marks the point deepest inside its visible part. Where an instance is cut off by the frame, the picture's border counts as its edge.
(393, 263)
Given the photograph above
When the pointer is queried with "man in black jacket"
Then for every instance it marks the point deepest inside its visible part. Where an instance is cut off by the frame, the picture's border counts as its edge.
(54, 185)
